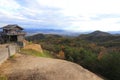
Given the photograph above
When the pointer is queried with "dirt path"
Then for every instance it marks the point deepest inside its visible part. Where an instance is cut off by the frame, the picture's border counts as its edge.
(24, 67)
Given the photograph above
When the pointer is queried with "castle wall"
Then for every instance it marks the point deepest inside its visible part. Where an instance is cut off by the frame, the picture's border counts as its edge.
(6, 51)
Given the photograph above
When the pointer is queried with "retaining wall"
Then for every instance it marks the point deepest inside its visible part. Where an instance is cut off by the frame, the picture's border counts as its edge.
(6, 51)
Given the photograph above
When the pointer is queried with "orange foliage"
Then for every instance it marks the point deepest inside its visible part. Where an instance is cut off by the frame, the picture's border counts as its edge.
(61, 54)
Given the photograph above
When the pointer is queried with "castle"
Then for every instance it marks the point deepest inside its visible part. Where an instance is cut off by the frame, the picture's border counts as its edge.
(12, 33)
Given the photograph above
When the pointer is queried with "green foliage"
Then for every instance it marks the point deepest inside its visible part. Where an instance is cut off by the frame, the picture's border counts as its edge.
(109, 66)
(110, 44)
(81, 56)
(89, 60)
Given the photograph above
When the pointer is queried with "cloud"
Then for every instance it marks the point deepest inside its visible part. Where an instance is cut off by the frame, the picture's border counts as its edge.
(77, 15)
(105, 16)
(30, 13)
(36, 15)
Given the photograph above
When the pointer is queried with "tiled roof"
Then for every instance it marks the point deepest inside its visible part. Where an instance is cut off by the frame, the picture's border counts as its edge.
(12, 27)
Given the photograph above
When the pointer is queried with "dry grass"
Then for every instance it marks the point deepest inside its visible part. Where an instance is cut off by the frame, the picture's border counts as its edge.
(36, 47)
(36, 53)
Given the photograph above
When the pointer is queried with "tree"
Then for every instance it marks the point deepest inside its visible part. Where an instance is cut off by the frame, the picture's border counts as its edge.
(109, 66)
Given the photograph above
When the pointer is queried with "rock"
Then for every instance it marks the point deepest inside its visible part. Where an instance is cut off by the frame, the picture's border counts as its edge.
(27, 67)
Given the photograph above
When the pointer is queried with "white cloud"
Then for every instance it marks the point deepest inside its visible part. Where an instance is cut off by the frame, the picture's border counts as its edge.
(11, 4)
(77, 15)
(87, 7)
(105, 25)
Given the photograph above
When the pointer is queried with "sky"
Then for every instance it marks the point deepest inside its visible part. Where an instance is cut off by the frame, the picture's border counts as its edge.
(73, 15)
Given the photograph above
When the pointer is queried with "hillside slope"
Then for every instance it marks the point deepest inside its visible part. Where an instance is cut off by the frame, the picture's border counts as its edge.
(24, 67)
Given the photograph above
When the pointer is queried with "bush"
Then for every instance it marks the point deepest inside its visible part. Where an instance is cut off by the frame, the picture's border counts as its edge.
(109, 66)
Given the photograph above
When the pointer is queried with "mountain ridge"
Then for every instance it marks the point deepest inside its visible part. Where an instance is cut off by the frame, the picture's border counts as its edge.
(99, 33)
(63, 32)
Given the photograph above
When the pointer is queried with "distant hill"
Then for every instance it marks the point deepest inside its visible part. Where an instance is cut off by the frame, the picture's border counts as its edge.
(41, 36)
(96, 36)
(99, 33)
(50, 31)
(99, 36)
(31, 31)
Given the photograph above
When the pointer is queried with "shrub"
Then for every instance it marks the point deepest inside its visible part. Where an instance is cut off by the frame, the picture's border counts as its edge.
(109, 66)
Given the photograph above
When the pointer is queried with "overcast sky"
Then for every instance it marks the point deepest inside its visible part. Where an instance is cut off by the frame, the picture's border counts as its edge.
(75, 15)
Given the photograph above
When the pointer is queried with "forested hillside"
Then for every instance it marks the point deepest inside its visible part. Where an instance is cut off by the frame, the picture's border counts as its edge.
(97, 51)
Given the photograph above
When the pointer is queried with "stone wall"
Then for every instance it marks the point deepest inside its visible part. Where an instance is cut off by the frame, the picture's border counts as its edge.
(6, 51)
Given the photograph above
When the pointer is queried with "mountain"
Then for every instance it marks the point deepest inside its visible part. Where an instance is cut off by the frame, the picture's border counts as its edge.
(41, 36)
(96, 36)
(99, 33)
(99, 36)
(66, 32)
(50, 31)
